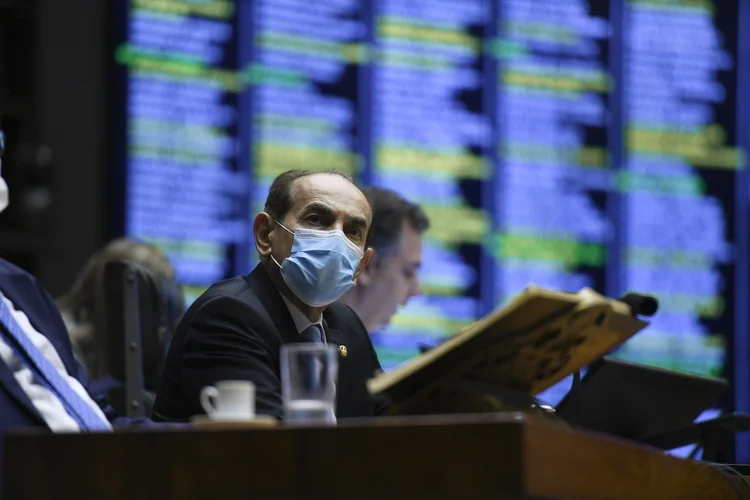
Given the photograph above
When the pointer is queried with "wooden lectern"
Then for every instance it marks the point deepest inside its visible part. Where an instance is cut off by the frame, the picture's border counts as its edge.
(457, 457)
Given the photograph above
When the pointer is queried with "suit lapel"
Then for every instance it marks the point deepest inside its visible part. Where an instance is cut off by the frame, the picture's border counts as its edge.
(335, 338)
(271, 299)
(274, 305)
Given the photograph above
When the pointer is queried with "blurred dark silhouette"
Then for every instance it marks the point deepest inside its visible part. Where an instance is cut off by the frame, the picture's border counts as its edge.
(83, 308)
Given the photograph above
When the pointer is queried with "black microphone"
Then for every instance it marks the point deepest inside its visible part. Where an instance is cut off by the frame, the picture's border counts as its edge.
(640, 304)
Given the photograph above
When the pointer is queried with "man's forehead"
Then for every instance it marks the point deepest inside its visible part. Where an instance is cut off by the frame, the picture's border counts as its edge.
(332, 190)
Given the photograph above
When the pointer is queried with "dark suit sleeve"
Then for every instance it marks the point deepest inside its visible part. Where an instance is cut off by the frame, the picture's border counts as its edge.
(380, 404)
(228, 340)
(61, 341)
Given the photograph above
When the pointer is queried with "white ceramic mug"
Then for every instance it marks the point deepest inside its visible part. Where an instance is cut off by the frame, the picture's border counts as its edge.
(229, 400)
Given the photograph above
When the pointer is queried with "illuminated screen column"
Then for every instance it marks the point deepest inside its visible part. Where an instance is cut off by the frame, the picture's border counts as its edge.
(553, 170)
(428, 138)
(182, 185)
(304, 77)
(681, 164)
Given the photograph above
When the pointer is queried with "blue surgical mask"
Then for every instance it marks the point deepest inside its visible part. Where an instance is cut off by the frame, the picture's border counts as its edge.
(321, 267)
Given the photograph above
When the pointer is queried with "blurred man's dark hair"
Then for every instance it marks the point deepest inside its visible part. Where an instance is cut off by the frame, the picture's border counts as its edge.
(389, 212)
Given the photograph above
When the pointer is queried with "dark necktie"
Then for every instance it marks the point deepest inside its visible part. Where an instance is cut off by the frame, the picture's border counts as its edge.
(47, 374)
(312, 367)
(313, 333)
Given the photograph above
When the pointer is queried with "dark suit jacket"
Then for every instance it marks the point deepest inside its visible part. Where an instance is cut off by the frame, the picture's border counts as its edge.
(16, 409)
(235, 330)
(28, 296)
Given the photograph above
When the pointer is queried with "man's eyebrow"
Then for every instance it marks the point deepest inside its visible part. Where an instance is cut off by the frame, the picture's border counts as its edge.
(319, 207)
(358, 221)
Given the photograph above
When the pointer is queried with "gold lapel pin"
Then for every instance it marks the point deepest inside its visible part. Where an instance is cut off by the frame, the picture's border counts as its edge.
(343, 351)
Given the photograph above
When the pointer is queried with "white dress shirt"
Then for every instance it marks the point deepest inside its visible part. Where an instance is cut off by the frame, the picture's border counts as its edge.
(301, 321)
(45, 401)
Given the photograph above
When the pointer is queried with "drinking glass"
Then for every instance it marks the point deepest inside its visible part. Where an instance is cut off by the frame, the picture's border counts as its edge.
(308, 382)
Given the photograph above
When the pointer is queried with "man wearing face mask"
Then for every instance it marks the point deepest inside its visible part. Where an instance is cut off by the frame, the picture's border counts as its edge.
(311, 238)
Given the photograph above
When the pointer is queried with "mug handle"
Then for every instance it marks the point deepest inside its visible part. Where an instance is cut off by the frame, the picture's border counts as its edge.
(208, 395)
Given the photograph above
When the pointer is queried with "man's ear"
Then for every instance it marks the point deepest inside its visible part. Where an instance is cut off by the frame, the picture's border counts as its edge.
(363, 274)
(262, 227)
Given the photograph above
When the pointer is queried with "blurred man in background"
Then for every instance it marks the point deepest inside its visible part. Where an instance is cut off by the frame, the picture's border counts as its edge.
(84, 309)
(391, 278)
(83, 306)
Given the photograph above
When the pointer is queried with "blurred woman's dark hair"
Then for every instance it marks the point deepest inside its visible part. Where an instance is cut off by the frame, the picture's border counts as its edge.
(83, 308)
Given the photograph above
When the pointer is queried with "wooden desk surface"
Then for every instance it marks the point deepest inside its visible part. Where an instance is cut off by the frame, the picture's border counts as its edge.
(457, 457)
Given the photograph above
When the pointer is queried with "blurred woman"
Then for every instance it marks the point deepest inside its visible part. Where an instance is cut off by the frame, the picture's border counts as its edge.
(83, 310)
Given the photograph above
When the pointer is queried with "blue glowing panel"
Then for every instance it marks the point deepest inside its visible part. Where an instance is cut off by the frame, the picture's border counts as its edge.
(304, 76)
(183, 190)
(429, 134)
(681, 163)
(553, 174)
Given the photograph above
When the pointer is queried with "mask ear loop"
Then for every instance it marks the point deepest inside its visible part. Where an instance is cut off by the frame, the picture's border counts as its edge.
(284, 227)
(358, 252)
(275, 261)
(288, 231)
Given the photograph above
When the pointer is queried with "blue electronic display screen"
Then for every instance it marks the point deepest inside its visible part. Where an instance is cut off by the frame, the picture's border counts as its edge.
(566, 143)
(184, 187)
